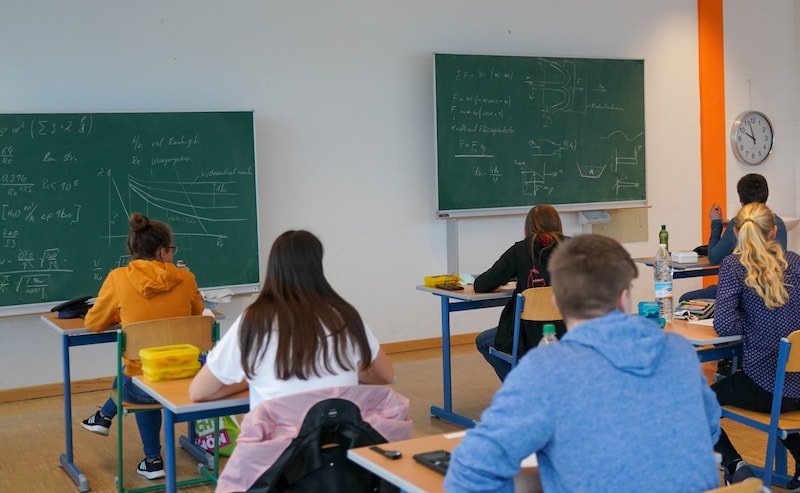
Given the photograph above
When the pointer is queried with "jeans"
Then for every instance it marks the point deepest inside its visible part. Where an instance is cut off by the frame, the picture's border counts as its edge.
(740, 391)
(483, 342)
(149, 422)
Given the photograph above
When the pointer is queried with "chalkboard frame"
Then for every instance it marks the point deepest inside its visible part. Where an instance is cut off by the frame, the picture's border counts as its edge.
(444, 212)
(242, 131)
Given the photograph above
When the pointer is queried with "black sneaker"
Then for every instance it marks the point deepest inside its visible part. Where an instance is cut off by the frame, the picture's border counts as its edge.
(794, 485)
(97, 423)
(742, 472)
(151, 469)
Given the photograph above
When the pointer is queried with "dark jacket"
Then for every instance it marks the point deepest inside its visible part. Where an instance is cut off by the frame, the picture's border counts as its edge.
(529, 267)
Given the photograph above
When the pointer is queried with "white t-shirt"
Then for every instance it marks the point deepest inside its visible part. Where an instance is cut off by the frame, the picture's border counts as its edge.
(224, 361)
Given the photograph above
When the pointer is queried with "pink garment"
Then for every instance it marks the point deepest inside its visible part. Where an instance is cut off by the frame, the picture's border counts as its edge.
(269, 429)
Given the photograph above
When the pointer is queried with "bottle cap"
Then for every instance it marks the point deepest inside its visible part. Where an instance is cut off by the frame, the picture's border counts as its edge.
(549, 329)
(663, 226)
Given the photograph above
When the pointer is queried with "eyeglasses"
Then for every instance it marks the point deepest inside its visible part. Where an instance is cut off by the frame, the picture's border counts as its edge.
(173, 248)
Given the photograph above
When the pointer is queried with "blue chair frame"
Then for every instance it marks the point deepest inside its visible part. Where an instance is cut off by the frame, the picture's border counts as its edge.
(534, 304)
(775, 424)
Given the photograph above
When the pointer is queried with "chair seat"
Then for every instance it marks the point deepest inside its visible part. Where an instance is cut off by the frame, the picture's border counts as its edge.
(788, 421)
(133, 406)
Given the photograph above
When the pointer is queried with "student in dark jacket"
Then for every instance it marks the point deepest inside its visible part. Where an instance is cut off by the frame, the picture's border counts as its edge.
(526, 261)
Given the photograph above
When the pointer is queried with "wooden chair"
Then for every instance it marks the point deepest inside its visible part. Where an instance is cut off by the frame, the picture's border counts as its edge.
(775, 424)
(200, 331)
(750, 486)
(534, 304)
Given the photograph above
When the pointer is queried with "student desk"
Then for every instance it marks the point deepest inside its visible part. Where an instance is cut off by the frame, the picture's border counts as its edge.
(73, 333)
(456, 301)
(178, 408)
(686, 270)
(412, 477)
(710, 346)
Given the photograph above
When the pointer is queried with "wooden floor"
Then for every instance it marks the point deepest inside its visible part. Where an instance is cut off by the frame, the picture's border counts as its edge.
(33, 430)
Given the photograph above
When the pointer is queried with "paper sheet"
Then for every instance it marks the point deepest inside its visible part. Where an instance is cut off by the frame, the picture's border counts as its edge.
(708, 322)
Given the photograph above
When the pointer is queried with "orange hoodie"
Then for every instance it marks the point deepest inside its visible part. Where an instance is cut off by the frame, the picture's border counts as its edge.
(144, 290)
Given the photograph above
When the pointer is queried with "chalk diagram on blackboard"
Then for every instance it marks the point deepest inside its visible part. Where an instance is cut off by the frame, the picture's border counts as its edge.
(191, 207)
(534, 181)
(630, 158)
(563, 87)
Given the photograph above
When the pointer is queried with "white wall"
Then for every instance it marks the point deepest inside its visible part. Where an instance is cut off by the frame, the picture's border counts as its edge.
(761, 73)
(343, 97)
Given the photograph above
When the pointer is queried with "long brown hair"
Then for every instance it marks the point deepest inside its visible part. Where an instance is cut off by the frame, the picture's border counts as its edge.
(543, 220)
(311, 320)
(762, 257)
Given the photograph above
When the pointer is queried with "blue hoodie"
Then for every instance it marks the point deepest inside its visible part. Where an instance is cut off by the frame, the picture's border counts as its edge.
(618, 405)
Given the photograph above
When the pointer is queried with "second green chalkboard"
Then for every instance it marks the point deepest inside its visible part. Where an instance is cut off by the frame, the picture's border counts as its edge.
(514, 131)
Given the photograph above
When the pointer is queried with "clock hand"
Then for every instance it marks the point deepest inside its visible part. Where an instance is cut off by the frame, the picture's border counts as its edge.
(751, 134)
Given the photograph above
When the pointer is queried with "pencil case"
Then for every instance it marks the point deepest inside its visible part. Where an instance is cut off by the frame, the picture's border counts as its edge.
(433, 281)
(169, 362)
(171, 372)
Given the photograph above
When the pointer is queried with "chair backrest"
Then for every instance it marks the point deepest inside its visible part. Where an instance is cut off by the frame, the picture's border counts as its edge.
(539, 305)
(536, 305)
(793, 361)
(196, 330)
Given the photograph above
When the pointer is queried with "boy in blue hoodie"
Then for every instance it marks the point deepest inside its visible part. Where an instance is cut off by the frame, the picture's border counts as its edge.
(616, 405)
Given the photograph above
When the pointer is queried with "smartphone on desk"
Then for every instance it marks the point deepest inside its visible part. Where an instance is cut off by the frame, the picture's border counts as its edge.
(450, 287)
(438, 460)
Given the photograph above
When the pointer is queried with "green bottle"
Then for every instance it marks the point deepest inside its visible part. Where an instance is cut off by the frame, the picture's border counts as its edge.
(663, 236)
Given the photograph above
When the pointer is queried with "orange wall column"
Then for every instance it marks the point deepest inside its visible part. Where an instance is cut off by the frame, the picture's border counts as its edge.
(711, 57)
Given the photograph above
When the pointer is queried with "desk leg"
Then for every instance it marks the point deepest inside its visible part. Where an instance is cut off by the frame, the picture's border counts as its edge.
(447, 413)
(66, 459)
(169, 449)
(188, 444)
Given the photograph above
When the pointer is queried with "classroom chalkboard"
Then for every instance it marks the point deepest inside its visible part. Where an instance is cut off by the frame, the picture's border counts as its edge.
(69, 182)
(514, 131)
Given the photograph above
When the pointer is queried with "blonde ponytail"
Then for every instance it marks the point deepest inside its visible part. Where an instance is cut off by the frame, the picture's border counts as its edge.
(762, 258)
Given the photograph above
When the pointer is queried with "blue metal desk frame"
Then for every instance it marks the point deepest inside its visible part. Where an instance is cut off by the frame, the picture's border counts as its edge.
(457, 301)
(184, 410)
(74, 334)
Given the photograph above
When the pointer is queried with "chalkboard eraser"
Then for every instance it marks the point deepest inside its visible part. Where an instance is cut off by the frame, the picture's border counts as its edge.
(443, 215)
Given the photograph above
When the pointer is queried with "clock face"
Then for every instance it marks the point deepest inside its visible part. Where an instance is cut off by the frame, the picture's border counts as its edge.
(751, 137)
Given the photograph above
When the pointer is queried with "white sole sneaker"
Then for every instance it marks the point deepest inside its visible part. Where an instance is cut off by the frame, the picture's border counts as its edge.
(100, 430)
(154, 474)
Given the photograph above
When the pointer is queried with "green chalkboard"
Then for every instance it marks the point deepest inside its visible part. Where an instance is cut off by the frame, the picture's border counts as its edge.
(514, 131)
(68, 183)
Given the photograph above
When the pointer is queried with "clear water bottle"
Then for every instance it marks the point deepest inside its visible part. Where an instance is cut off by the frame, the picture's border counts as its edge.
(548, 335)
(662, 275)
(663, 236)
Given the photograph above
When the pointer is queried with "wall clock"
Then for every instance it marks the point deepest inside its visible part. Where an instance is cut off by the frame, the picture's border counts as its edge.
(752, 137)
